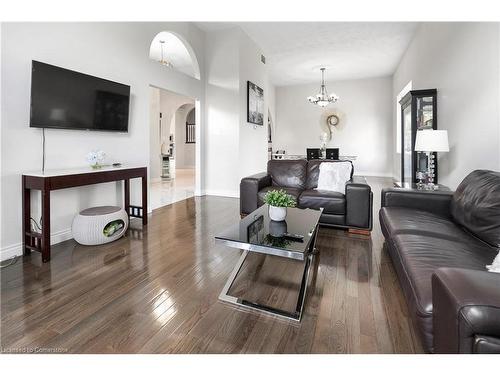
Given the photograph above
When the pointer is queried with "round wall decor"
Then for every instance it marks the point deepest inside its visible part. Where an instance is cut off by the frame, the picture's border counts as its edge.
(332, 120)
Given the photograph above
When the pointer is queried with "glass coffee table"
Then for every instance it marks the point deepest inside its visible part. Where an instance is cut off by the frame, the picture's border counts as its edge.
(293, 240)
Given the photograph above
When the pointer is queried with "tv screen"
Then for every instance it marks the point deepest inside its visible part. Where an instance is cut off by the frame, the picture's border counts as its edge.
(65, 99)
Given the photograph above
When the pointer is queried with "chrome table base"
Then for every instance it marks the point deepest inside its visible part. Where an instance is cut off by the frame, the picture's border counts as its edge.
(294, 315)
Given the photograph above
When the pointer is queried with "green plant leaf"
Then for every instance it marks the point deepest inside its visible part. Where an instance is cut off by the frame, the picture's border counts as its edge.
(279, 198)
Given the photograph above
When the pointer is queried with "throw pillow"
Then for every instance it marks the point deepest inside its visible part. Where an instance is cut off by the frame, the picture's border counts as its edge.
(495, 266)
(333, 176)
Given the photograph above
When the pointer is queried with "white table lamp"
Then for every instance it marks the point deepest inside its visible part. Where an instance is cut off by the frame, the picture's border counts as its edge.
(430, 141)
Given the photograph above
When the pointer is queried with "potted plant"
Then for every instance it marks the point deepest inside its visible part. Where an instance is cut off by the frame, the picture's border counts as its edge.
(278, 201)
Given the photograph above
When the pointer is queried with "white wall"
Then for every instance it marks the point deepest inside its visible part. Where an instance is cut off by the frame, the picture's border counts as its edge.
(365, 129)
(115, 51)
(222, 130)
(462, 61)
(235, 148)
(154, 141)
(253, 138)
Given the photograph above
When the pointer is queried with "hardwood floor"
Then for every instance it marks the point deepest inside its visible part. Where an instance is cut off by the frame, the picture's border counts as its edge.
(156, 291)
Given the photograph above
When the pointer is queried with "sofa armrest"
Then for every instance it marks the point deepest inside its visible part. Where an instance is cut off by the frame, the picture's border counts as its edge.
(466, 311)
(249, 187)
(437, 202)
(359, 203)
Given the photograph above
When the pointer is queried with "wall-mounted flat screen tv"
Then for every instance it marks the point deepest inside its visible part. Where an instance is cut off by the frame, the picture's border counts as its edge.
(65, 99)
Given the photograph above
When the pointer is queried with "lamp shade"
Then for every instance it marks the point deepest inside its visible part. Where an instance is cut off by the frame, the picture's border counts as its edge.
(432, 141)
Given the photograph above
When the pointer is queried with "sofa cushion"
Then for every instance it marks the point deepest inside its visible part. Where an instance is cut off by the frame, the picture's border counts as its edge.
(293, 192)
(332, 219)
(421, 255)
(332, 202)
(288, 173)
(416, 257)
(403, 220)
(313, 171)
(476, 205)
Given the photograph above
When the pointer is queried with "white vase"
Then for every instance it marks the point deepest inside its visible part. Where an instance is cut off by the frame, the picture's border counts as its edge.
(277, 213)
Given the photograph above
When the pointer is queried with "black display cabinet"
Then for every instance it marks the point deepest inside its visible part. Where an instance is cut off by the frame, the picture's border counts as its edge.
(418, 112)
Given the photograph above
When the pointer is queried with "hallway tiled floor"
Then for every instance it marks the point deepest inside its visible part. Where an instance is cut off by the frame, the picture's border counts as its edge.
(166, 192)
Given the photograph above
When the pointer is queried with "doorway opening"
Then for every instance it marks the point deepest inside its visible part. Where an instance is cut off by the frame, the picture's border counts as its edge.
(173, 137)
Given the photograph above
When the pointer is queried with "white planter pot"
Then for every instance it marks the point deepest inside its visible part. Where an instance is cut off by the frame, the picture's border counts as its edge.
(99, 225)
(277, 213)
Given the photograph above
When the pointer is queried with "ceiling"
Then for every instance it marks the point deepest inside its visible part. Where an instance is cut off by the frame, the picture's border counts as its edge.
(349, 50)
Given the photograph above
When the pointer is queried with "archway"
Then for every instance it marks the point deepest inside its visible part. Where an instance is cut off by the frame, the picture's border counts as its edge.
(176, 54)
(184, 129)
(173, 163)
(270, 135)
(174, 50)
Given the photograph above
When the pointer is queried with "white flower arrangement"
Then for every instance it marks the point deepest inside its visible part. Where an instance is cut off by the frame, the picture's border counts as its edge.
(95, 158)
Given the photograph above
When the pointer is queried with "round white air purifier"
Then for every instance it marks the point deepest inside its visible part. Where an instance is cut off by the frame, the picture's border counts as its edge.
(99, 225)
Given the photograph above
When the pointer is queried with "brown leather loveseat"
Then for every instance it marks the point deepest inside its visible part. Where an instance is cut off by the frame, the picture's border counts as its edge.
(440, 243)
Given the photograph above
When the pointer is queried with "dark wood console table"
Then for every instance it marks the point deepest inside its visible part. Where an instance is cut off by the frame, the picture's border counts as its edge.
(55, 180)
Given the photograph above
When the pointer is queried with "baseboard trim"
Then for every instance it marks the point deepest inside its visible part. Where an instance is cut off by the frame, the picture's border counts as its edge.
(223, 193)
(14, 250)
(371, 174)
(10, 252)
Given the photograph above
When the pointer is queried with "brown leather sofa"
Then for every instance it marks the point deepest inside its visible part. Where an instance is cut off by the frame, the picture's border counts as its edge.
(440, 243)
(300, 179)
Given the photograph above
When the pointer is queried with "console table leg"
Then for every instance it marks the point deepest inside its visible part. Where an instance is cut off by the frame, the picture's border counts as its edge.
(144, 200)
(126, 194)
(26, 216)
(45, 225)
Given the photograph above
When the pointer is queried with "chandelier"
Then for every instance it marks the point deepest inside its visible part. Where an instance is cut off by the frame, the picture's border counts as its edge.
(162, 61)
(323, 99)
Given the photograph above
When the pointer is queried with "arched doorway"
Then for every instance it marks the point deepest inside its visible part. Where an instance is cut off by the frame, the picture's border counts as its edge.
(174, 163)
(270, 135)
(172, 147)
(184, 130)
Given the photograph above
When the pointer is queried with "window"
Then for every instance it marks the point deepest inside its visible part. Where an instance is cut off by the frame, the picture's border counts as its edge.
(190, 133)
(403, 92)
(190, 127)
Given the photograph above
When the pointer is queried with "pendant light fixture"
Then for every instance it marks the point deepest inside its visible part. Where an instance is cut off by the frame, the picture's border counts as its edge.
(162, 60)
(323, 99)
